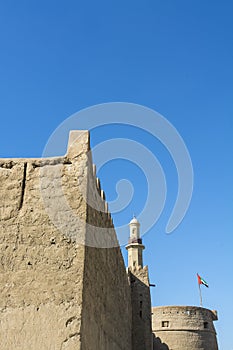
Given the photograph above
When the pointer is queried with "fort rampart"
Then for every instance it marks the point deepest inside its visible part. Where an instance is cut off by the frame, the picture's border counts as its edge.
(57, 290)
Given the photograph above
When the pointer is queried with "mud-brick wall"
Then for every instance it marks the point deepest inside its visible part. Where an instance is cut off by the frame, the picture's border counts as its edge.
(106, 317)
(41, 269)
(141, 308)
(46, 272)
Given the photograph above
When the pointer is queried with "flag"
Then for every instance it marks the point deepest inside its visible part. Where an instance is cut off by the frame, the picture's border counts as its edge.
(202, 281)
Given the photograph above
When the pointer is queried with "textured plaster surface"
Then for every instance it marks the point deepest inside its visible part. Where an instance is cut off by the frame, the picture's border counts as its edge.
(55, 292)
(141, 311)
(183, 328)
(63, 284)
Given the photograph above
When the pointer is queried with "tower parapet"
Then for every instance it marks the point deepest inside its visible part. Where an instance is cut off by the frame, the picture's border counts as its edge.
(184, 328)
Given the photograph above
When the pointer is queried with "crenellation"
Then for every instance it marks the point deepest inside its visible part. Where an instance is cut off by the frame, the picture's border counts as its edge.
(63, 284)
(94, 170)
(106, 208)
(47, 275)
(102, 194)
(98, 185)
(184, 327)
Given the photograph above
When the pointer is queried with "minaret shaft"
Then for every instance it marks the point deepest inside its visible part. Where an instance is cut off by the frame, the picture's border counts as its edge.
(135, 254)
(140, 290)
(135, 246)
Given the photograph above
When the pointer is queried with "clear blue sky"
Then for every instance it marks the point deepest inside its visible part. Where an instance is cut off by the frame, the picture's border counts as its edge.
(176, 57)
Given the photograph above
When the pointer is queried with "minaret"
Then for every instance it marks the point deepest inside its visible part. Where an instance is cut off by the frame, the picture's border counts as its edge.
(135, 246)
(140, 290)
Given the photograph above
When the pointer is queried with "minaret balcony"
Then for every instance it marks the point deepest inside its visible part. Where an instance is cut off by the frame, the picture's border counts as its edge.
(135, 240)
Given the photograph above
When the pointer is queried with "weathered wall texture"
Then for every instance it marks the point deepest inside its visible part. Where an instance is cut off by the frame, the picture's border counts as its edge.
(55, 293)
(183, 328)
(141, 303)
(63, 284)
(106, 317)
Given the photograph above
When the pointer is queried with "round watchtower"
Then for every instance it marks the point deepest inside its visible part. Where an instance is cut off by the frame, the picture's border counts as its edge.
(184, 328)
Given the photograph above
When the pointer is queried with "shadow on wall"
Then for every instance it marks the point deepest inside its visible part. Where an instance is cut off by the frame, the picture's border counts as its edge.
(158, 345)
(141, 307)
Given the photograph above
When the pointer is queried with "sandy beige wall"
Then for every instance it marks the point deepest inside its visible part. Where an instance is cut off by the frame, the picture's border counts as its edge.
(55, 293)
(141, 313)
(41, 267)
(106, 314)
(183, 328)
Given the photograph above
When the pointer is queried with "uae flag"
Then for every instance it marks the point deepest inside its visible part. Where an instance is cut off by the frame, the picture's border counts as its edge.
(202, 281)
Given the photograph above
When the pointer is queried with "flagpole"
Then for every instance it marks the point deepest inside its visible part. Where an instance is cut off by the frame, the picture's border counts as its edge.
(200, 295)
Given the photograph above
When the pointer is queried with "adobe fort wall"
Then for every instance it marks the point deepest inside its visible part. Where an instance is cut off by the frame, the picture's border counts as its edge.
(107, 311)
(184, 328)
(141, 313)
(63, 284)
(56, 292)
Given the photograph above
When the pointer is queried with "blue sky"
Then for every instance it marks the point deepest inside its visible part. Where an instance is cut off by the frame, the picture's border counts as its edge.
(175, 57)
